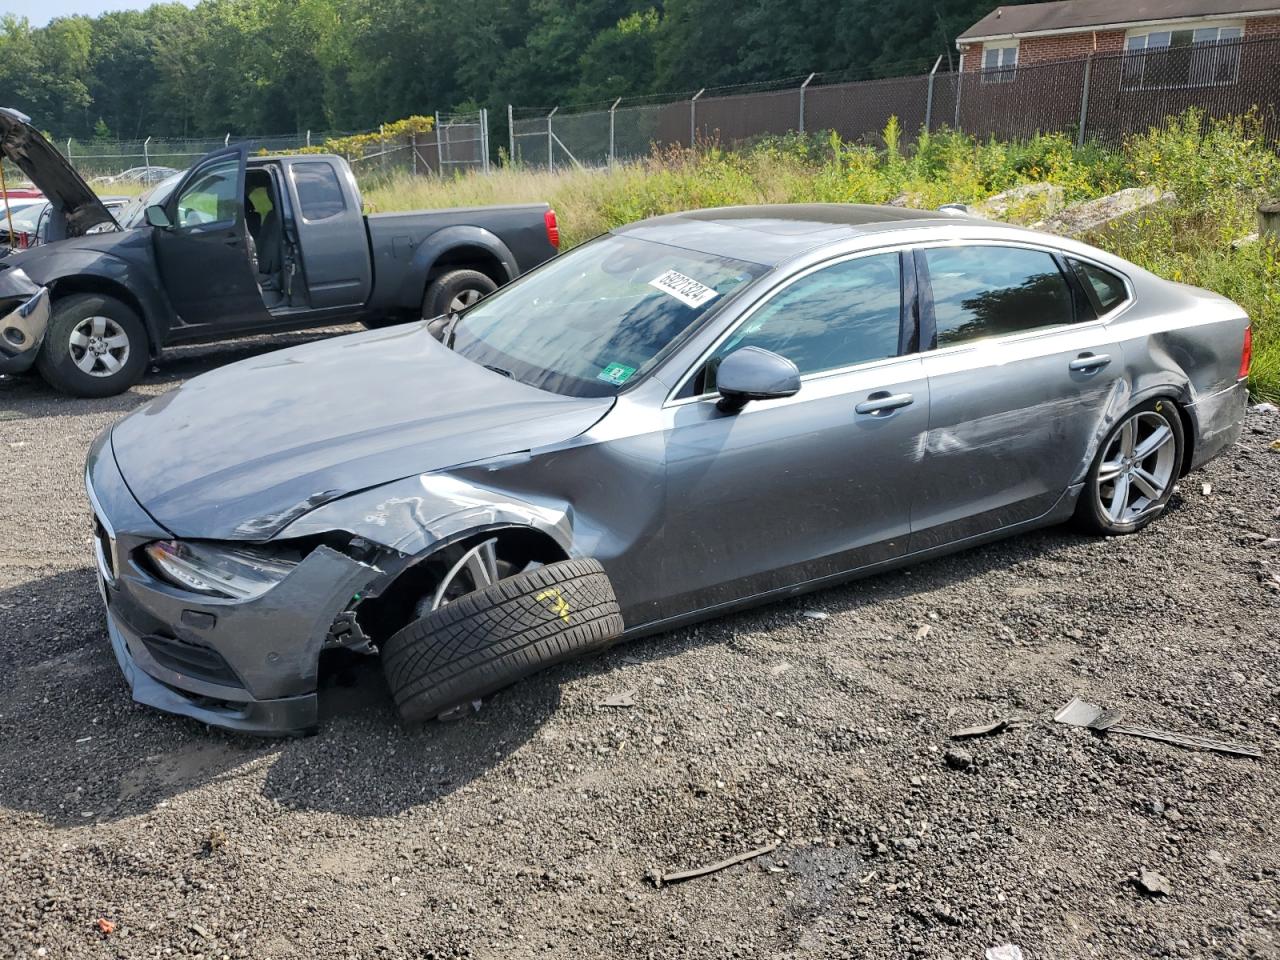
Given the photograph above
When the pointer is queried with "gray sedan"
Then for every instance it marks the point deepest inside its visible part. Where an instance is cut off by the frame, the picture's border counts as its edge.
(684, 417)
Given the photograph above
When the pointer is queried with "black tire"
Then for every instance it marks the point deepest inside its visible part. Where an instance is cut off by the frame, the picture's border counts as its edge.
(1091, 516)
(455, 285)
(493, 637)
(57, 363)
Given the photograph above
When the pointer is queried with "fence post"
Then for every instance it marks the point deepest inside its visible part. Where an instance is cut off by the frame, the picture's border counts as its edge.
(413, 145)
(693, 118)
(612, 156)
(551, 152)
(928, 101)
(1084, 99)
(439, 148)
(146, 152)
(308, 138)
(804, 86)
(226, 141)
(959, 90)
(484, 137)
(511, 135)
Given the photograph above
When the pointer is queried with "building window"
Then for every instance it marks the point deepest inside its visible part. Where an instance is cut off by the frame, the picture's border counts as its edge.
(999, 63)
(1200, 57)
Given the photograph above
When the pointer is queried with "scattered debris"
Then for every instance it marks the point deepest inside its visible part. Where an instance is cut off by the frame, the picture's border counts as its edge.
(1099, 216)
(105, 926)
(1275, 446)
(923, 632)
(1265, 408)
(627, 698)
(1248, 240)
(201, 932)
(816, 615)
(1044, 198)
(1152, 884)
(958, 758)
(680, 875)
(1206, 488)
(215, 841)
(981, 729)
(1006, 951)
(1081, 713)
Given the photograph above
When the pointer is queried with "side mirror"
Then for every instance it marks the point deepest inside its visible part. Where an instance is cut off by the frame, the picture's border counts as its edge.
(754, 373)
(157, 217)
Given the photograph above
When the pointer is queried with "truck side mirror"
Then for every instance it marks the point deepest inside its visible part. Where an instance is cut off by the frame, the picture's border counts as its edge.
(157, 217)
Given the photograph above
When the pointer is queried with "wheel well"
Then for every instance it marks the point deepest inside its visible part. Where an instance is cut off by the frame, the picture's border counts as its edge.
(68, 286)
(1188, 439)
(468, 258)
(393, 607)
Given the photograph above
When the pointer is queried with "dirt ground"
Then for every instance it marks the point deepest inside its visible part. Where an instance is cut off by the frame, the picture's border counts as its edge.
(533, 827)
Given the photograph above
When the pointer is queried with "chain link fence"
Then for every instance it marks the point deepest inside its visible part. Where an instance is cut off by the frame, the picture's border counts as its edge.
(1104, 97)
(459, 142)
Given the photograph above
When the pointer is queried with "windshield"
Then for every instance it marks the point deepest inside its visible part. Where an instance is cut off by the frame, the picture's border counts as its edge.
(592, 321)
(26, 219)
(134, 213)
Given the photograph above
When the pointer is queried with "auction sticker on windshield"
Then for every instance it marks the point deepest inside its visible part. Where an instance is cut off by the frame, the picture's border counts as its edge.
(616, 373)
(685, 289)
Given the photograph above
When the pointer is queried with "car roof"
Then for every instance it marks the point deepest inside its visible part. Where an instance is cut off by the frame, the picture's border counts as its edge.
(772, 233)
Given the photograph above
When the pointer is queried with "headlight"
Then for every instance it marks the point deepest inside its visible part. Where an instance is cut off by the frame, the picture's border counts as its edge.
(221, 570)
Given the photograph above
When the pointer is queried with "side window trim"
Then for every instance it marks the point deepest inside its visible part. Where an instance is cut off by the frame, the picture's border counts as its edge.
(928, 322)
(1082, 304)
(1129, 296)
(905, 316)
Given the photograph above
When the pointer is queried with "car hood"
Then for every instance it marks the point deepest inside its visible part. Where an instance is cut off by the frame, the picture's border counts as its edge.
(243, 451)
(25, 147)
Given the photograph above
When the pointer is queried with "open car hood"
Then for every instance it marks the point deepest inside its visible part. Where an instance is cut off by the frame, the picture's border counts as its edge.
(25, 147)
(241, 452)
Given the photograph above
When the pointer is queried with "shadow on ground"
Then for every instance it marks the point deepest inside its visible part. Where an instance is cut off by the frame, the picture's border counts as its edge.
(78, 750)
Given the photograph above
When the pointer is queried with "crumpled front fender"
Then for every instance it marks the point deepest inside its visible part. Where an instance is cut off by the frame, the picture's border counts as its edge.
(420, 513)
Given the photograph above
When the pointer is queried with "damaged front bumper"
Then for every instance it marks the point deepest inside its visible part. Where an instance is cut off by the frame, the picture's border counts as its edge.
(249, 666)
(24, 318)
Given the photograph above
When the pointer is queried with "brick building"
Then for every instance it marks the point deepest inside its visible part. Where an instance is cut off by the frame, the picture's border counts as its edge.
(1172, 43)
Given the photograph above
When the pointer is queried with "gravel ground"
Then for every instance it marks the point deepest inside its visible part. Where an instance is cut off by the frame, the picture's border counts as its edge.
(533, 827)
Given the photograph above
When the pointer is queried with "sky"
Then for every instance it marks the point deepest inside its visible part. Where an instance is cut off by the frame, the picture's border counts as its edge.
(40, 12)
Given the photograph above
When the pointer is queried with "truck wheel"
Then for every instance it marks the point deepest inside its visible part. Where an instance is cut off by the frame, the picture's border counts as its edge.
(95, 346)
(492, 637)
(452, 291)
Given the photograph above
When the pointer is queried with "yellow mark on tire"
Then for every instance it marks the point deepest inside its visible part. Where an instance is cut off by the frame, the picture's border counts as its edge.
(555, 602)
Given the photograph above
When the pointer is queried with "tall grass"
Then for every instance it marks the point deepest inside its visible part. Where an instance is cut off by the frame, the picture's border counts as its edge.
(1219, 171)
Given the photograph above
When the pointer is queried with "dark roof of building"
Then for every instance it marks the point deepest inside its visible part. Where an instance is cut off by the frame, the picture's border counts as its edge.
(1066, 15)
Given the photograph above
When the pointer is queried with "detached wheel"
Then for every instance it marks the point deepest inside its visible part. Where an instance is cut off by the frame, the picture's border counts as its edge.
(1132, 478)
(501, 632)
(454, 291)
(96, 346)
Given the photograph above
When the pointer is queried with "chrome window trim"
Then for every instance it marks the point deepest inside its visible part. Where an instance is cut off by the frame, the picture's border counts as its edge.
(672, 400)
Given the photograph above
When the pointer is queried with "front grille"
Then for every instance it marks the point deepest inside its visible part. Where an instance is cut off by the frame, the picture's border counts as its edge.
(191, 660)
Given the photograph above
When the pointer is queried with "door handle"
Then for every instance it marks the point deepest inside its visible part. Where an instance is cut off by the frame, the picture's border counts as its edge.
(1089, 361)
(882, 401)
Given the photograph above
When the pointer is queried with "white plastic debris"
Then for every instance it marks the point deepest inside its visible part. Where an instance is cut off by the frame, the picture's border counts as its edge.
(815, 615)
(1265, 408)
(1006, 951)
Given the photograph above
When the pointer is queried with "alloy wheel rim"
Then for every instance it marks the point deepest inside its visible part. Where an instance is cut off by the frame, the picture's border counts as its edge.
(1137, 467)
(464, 299)
(99, 346)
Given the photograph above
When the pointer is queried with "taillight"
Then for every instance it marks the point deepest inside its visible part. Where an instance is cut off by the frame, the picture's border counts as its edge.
(553, 228)
(1247, 353)
(24, 240)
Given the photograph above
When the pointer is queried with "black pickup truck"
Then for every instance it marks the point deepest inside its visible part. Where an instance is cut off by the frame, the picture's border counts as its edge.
(240, 245)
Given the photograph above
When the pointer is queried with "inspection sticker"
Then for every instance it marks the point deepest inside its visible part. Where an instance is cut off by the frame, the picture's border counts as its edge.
(685, 289)
(616, 373)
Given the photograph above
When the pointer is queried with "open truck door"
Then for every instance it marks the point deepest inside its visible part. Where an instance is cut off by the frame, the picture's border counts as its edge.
(203, 247)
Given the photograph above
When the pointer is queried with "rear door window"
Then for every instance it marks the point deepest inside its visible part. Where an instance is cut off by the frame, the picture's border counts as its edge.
(990, 291)
(319, 192)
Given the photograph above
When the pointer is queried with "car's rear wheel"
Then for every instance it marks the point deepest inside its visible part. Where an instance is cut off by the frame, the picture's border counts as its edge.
(477, 634)
(96, 346)
(455, 291)
(1133, 475)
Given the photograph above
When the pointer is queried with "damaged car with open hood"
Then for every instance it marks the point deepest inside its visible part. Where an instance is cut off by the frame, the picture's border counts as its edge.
(684, 417)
